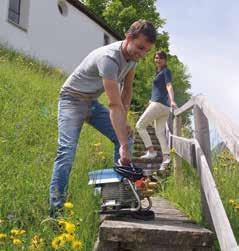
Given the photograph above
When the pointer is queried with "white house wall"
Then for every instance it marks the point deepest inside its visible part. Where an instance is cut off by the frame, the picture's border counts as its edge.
(61, 41)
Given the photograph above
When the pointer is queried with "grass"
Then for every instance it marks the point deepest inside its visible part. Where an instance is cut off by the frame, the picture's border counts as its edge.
(28, 135)
(28, 139)
(186, 195)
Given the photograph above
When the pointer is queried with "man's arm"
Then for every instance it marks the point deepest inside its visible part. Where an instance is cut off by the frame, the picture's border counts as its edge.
(171, 95)
(126, 94)
(118, 117)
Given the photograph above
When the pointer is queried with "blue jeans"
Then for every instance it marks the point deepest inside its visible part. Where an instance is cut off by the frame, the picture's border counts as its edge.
(72, 113)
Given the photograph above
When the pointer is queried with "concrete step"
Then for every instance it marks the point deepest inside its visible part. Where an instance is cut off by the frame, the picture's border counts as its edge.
(152, 136)
(139, 141)
(139, 160)
(142, 152)
(171, 230)
(150, 132)
(141, 147)
(150, 166)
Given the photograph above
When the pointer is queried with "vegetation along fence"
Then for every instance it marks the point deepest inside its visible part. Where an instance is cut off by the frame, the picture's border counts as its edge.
(197, 151)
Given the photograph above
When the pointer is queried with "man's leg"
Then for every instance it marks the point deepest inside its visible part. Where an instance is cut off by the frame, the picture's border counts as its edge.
(71, 116)
(100, 119)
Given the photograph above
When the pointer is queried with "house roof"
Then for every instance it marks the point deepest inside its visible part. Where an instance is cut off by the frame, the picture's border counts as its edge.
(81, 7)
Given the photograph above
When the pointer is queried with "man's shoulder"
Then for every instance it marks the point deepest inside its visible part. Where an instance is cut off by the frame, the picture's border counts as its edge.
(112, 50)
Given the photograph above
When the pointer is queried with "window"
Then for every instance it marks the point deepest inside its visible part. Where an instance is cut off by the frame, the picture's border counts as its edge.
(18, 13)
(62, 7)
(14, 11)
(106, 39)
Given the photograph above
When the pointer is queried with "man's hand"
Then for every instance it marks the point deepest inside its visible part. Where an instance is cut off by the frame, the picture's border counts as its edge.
(124, 155)
(173, 105)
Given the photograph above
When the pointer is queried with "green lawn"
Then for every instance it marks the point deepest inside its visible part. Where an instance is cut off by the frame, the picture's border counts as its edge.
(28, 140)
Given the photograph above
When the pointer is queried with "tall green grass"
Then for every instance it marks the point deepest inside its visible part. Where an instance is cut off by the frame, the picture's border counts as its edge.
(186, 195)
(28, 139)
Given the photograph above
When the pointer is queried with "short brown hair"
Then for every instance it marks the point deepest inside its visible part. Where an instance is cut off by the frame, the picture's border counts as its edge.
(144, 27)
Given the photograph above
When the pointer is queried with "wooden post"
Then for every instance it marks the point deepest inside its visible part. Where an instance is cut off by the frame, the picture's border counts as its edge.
(170, 129)
(177, 124)
(170, 122)
(203, 137)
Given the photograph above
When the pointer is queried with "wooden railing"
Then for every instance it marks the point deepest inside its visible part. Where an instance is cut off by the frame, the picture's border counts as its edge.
(197, 152)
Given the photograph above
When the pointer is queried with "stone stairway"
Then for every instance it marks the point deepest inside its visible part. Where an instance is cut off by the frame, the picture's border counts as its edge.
(171, 230)
(139, 150)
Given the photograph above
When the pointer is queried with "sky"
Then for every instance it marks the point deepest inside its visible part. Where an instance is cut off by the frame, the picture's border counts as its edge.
(205, 37)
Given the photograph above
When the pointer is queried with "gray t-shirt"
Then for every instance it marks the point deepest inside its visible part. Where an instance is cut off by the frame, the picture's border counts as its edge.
(105, 62)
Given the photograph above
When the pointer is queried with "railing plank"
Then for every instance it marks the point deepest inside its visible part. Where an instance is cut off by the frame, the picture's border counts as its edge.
(177, 125)
(227, 129)
(184, 108)
(220, 221)
(184, 148)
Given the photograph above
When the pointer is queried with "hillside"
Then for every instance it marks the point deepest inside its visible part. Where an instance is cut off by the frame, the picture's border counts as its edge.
(28, 139)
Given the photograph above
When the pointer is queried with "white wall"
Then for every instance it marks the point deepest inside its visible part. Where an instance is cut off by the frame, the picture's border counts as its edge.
(62, 41)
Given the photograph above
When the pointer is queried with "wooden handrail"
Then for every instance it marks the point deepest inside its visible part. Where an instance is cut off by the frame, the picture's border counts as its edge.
(227, 129)
(184, 148)
(197, 152)
(221, 223)
(186, 107)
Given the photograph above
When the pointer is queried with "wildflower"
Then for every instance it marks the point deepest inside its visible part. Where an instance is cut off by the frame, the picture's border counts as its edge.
(17, 242)
(2, 236)
(231, 201)
(77, 244)
(68, 237)
(71, 213)
(70, 228)
(173, 150)
(15, 232)
(61, 222)
(236, 206)
(68, 205)
(58, 242)
(36, 242)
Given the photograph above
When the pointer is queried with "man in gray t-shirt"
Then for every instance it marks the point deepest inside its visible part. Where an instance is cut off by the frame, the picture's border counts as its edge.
(110, 69)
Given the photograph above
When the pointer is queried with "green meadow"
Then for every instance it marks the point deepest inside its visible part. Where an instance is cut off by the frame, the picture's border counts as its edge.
(28, 140)
(187, 197)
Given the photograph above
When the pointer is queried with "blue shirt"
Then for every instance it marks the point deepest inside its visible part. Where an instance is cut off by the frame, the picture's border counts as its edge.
(159, 91)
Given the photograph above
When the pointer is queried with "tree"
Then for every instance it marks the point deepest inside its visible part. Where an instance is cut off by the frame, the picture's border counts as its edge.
(120, 14)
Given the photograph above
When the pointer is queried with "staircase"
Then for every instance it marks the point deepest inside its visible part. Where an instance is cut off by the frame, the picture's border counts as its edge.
(139, 150)
(171, 230)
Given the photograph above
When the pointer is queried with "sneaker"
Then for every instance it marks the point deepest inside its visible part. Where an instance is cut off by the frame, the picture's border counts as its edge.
(162, 167)
(149, 155)
(164, 164)
(166, 159)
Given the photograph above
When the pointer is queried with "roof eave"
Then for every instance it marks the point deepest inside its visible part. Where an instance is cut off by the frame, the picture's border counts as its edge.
(81, 7)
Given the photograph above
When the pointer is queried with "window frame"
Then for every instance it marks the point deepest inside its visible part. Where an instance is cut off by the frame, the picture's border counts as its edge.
(23, 12)
(14, 11)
